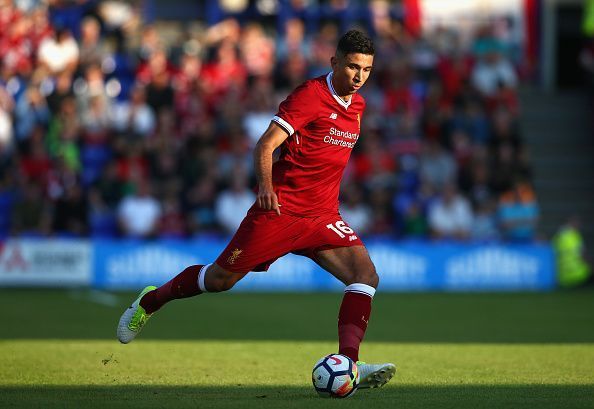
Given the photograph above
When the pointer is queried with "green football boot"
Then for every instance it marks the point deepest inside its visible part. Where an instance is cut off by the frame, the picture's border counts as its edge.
(133, 319)
(374, 376)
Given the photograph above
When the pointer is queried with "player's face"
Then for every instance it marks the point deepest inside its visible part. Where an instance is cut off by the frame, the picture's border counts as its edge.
(350, 72)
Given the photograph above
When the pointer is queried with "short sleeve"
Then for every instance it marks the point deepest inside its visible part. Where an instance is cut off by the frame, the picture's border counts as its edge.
(298, 109)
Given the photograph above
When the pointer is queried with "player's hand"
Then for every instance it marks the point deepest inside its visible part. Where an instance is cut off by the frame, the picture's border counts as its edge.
(268, 200)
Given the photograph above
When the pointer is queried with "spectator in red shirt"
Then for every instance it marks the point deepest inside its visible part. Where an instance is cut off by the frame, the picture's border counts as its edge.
(225, 73)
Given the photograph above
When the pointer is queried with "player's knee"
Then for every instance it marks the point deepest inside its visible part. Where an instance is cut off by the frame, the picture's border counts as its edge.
(218, 280)
(367, 275)
(373, 278)
(218, 286)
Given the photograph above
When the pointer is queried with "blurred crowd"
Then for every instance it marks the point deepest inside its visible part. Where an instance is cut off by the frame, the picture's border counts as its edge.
(113, 128)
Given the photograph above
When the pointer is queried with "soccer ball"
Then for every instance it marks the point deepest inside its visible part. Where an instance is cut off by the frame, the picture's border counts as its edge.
(335, 376)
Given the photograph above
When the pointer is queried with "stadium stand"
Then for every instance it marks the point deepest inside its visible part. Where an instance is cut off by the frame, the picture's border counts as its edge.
(97, 111)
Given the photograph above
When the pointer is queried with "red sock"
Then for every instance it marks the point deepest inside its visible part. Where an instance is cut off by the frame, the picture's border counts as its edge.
(353, 318)
(183, 285)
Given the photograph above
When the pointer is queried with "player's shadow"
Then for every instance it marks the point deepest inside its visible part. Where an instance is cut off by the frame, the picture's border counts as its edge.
(239, 396)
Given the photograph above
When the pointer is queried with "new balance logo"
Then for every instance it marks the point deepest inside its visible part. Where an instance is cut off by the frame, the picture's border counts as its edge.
(333, 116)
(352, 238)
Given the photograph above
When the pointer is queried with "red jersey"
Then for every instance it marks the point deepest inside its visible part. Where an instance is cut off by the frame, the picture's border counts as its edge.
(323, 130)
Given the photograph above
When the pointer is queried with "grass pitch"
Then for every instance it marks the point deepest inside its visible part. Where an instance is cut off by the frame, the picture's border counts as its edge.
(58, 350)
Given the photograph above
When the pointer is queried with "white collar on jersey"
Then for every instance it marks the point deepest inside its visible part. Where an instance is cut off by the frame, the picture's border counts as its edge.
(341, 101)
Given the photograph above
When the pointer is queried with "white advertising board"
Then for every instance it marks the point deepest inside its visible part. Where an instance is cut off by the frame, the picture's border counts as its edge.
(54, 262)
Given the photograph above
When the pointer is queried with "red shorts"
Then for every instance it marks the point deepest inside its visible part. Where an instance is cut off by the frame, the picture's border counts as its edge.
(264, 237)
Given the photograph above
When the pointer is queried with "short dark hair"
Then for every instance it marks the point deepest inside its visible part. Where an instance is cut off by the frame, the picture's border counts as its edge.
(355, 41)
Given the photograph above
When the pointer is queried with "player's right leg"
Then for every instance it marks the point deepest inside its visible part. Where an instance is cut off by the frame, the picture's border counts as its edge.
(193, 281)
(375, 375)
(341, 253)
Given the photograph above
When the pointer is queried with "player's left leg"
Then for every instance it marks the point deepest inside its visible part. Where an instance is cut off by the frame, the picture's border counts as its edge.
(354, 268)
(193, 281)
(259, 241)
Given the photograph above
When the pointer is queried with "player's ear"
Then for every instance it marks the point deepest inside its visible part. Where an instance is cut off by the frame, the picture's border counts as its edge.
(334, 62)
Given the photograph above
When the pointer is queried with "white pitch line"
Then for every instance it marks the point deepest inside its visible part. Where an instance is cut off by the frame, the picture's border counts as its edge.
(96, 296)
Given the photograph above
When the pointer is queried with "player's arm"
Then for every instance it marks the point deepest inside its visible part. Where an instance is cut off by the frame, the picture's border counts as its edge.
(269, 141)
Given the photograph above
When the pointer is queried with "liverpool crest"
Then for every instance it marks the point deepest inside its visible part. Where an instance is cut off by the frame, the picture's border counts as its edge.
(234, 256)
